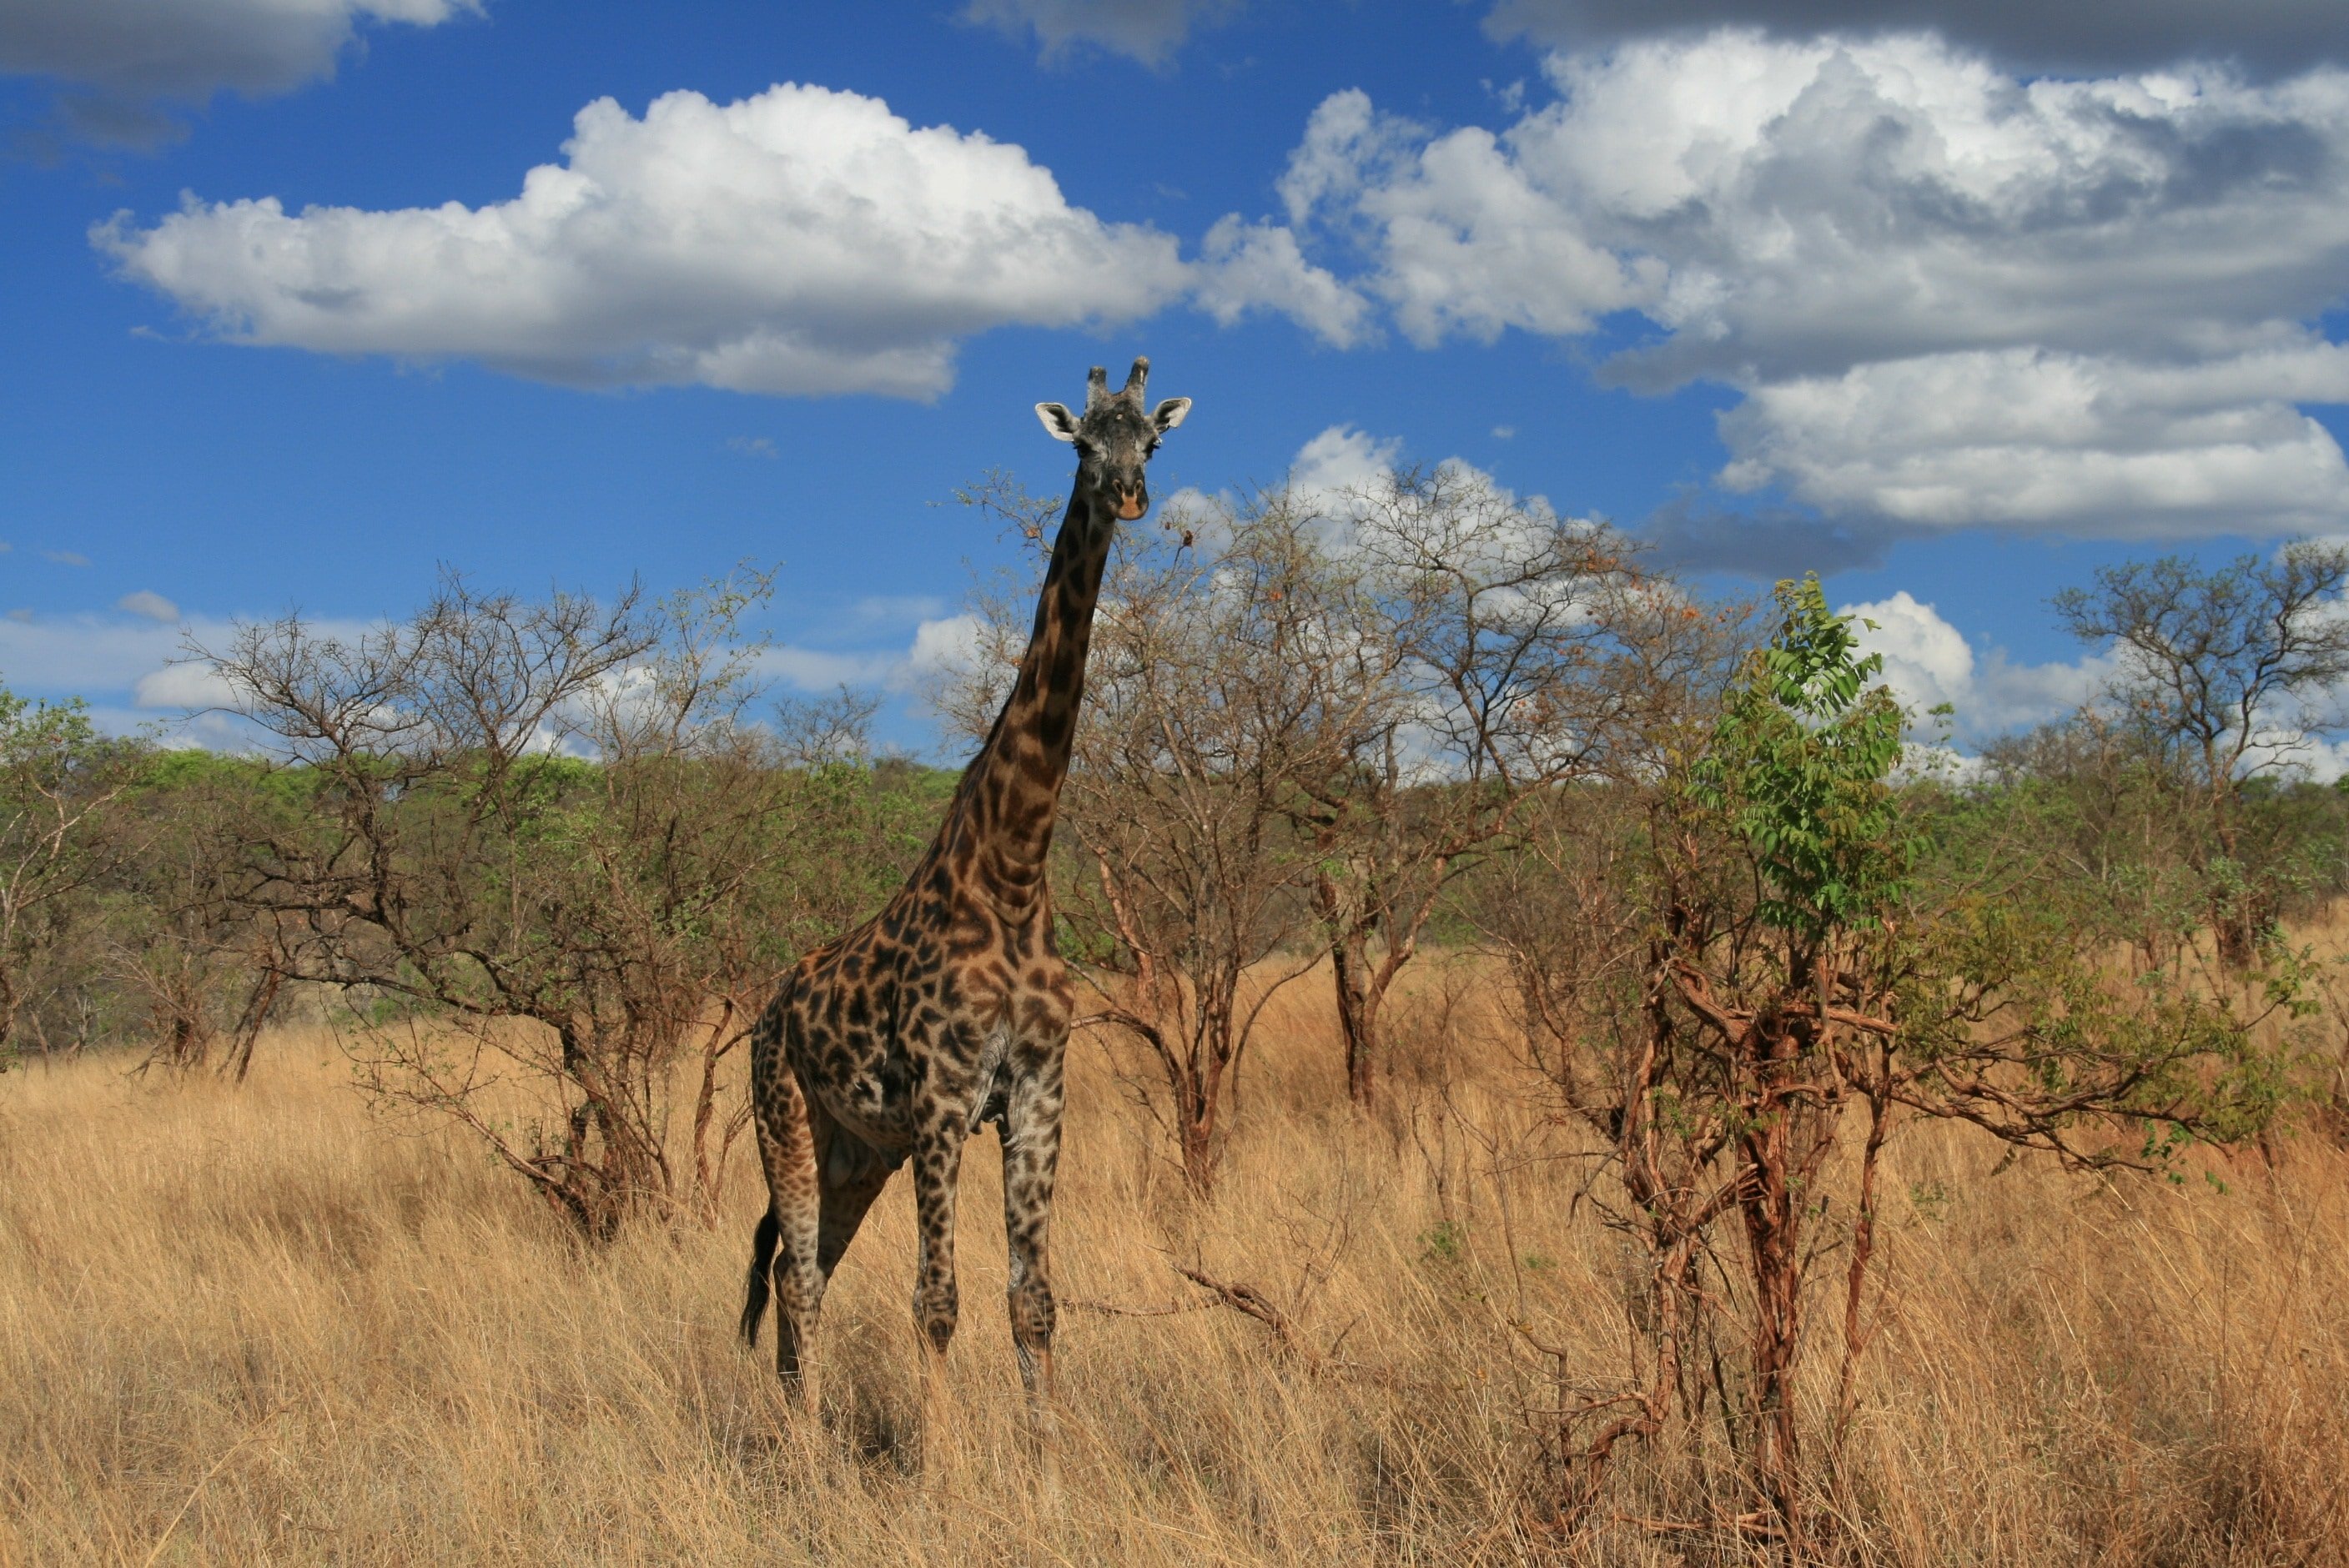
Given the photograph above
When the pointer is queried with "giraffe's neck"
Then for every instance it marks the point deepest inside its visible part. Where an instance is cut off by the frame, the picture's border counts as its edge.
(999, 828)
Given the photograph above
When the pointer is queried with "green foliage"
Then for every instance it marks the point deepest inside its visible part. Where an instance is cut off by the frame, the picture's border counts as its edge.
(58, 781)
(1798, 767)
(1929, 1200)
(178, 772)
(1444, 1241)
(44, 734)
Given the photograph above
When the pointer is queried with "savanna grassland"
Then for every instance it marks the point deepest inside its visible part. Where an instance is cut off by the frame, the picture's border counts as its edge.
(1700, 1124)
(265, 1324)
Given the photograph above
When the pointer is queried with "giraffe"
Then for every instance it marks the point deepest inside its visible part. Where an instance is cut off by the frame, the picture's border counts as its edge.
(951, 1007)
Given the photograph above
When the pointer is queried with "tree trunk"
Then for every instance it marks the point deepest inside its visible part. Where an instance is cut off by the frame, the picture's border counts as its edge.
(1358, 1021)
(1772, 1211)
(255, 1013)
(605, 1169)
(2235, 922)
(1863, 1246)
(1195, 1134)
(7, 1016)
(709, 1164)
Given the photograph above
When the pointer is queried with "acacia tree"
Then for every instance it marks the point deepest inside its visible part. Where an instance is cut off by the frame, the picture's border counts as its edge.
(547, 856)
(58, 781)
(1769, 960)
(2228, 672)
(174, 940)
(2096, 796)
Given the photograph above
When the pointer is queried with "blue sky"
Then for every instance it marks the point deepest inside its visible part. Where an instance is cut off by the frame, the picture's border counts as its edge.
(1954, 309)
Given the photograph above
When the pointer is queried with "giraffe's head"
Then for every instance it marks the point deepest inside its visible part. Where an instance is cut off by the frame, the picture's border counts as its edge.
(1116, 437)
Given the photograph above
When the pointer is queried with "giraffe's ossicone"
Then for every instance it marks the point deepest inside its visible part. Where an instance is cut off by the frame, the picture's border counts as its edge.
(950, 1008)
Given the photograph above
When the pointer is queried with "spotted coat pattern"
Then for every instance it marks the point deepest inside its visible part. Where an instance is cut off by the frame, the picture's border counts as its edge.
(950, 1008)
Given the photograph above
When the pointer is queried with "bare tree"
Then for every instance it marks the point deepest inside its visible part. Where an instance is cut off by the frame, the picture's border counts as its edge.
(2230, 672)
(1314, 713)
(1518, 650)
(547, 856)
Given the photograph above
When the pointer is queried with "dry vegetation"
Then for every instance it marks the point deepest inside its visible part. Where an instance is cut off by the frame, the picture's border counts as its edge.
(259, 1324)
(1346, 1278)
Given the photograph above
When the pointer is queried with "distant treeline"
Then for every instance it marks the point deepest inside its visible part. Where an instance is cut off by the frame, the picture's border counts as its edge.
(148, 934)
(134, 943)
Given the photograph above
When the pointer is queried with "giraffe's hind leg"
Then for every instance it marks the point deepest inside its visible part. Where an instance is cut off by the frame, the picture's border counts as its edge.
(787, 1148)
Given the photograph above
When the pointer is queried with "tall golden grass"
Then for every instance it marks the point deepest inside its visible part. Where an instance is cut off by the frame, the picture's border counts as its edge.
(267, 1326)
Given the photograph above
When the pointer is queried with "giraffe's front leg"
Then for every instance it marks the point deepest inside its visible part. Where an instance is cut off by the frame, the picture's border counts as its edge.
(937, 1165)
(938, 1168)
(1032, 1157)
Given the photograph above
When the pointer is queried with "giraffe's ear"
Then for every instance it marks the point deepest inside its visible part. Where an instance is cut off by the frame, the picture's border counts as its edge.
(1058, 423)
(1170, 414)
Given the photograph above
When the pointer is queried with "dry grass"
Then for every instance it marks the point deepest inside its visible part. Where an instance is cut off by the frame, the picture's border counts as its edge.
(263, 1326)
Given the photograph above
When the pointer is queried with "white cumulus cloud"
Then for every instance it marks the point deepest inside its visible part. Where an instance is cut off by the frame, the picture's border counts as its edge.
(1342, 458)
(1250, 267)
(1462, 242)
(191, 685)
(1928, 662)
(1951, 296)
(2090, 444)
(940, 645)
(800, 241)
(132, 666)
(82, 654)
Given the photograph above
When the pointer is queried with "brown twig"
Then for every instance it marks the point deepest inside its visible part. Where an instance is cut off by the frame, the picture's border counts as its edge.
(1248, 1300)
(1112, 1309)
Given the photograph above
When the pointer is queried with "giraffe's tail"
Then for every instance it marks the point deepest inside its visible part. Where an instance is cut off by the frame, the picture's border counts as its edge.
(762, 1258)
